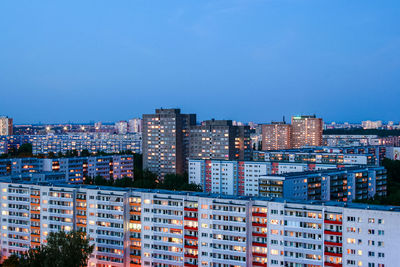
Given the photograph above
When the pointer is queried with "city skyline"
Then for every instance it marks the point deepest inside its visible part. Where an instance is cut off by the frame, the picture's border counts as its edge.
(243, 60)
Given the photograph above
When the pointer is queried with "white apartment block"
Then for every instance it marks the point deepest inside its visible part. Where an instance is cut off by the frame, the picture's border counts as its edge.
(164, 228)
(240, 177)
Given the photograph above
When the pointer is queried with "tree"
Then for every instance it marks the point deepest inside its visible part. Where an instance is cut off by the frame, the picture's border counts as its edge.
(85, 153)
(68, 249)
(63, 249)
(12, 261)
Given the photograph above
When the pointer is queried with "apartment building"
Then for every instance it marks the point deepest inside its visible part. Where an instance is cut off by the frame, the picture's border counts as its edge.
(166, 141)
(276, 136)
(306, 131)
(121, 127)
(346, 184)
(6, 126)
(74, 169)
(135, 125)
(219, 139)
(309, 156)
(289, 180)
(132, 227)
(93, 142)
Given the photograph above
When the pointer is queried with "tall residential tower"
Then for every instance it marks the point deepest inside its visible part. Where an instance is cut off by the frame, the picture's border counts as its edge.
(306, 131)
(6, 125)
(219, 139)
(166, 141)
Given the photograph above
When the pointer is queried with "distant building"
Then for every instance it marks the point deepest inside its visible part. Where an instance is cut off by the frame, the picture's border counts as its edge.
(219, 139)
(6, 126)
(166, 141)
(135, 125)
(74, 169)
(121, 127)
(393, 153)
(93, 142)
(276, 135)
(371, 124)
(306, 131)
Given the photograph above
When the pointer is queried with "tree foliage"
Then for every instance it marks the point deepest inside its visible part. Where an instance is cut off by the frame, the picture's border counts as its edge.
(63, 249)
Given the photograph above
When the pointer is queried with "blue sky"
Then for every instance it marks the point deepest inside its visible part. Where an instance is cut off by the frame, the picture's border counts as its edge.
(247, 60)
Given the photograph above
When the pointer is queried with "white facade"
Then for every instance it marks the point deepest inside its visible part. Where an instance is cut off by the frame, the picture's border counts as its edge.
(147, 228)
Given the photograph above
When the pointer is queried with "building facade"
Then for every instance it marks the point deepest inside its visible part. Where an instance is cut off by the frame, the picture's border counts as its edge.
(6, 126)
(148, 228)
(250, 178)
(323, 157)
(166, 141)
(135, 125)
(219, 139)
(306, 131)
(121, 127)
(276, 136)
(93, 142)
(74, 169)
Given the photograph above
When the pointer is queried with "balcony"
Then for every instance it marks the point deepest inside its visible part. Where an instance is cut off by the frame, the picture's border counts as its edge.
(334, 254)
(332, 222)
(259, 214)
(332, 233)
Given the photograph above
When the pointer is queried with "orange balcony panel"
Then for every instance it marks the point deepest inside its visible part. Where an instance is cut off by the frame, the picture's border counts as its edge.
(135, 204)
(33, 196)
(81, 225)
(80, 208)
(134, 212)
(35, 220)
(136, 247)
(81, 216)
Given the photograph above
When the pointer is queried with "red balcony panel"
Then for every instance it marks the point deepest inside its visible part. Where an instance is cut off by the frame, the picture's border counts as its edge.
(191, 247)
(333, 244)
(191, 237)
(259, 214)
(190, 219)
(259, 264)
(191, 256)
(332, 233)
(333, 254)
(331, 264)
(259, 234)
(333, 222)
(259, 244)
(190, 209)
(259, 224)
(256, 254)
(190, 228)
(190, 265)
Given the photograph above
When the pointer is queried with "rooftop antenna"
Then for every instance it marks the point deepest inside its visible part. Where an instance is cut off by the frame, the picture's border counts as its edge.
(284, 119)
